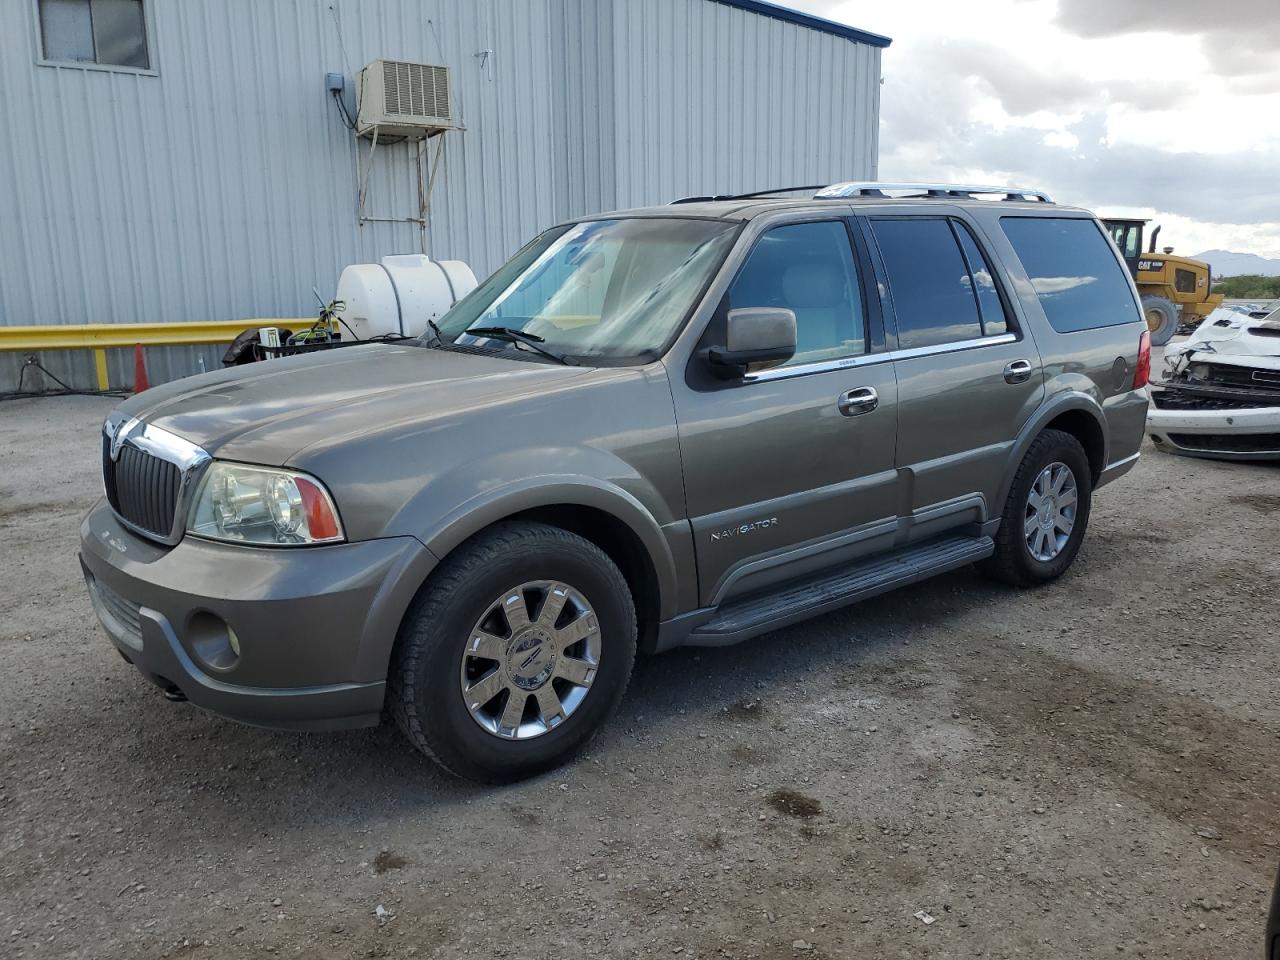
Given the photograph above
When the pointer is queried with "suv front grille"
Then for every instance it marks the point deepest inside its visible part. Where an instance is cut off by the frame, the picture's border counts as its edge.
(1174, 399)
(141, 488)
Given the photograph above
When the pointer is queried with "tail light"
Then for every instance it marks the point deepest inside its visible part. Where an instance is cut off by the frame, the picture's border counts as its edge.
(1142, 372)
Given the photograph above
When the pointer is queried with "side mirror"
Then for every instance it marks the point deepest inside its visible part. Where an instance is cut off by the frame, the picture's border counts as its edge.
(755, 337)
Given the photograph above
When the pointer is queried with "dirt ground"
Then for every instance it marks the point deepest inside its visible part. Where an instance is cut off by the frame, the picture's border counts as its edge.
(1084, 770)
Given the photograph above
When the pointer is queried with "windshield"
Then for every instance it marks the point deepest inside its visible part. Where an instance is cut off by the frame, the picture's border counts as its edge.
(605, 288)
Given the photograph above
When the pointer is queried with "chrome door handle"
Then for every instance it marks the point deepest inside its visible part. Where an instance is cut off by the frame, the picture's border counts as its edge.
(1017, 371)
(853, 403)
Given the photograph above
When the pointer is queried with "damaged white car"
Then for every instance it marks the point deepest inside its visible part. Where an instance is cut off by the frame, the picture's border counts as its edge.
(1220, 397)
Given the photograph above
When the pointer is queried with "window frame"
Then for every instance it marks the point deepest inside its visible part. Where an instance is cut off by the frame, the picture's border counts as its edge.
(723, 307)
(148, 28)
(872, 312)
(1117, 259)
(1129, 231)
(1010, 320)
(1013, 332)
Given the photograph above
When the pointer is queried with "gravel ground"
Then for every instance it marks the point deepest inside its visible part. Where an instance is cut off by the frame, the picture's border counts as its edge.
(1083, 770)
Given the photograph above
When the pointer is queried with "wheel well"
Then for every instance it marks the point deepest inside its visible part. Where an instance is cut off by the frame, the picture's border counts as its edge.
(1085, 428)
(624, 548)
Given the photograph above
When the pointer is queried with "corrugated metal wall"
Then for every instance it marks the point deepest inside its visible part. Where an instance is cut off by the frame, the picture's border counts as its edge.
(224, 186)
(713, 99)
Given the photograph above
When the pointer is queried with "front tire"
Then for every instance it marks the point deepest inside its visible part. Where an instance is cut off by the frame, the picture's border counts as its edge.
(1046, 513)
(1162, 319)
(514, 653)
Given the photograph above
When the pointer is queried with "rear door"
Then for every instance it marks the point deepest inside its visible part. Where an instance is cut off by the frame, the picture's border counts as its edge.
(968, 377)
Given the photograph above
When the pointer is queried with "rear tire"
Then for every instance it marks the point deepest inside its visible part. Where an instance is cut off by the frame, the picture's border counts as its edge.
(492, 595)
(1031, 546)
(1162, 319)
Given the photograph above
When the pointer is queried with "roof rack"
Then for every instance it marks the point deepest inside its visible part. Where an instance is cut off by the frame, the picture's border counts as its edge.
(842, 191)
(873, 188)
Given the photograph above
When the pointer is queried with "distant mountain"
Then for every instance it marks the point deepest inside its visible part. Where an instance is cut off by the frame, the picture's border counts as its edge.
(1228, 264)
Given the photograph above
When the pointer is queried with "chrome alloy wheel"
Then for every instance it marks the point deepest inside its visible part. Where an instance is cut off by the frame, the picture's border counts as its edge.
(530, 660)
(1051, 511)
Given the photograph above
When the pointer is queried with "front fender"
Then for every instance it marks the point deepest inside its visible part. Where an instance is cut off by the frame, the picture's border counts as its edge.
(1064, 402)
(488, 504)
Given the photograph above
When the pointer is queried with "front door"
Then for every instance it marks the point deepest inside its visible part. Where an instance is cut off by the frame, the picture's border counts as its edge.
(791, 469)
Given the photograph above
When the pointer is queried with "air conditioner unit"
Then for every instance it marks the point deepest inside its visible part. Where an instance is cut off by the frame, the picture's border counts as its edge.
(403, 100)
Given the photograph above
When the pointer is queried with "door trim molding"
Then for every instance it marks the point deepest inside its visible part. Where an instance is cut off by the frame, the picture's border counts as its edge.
(844, 363)
(887, 527)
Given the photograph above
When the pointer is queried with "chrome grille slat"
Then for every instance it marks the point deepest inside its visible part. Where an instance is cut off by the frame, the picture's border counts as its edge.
(142, 488)
(148, 475)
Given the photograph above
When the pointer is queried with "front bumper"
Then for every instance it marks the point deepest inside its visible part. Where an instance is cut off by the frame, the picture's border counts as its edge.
(1231, 433)
(315, 626)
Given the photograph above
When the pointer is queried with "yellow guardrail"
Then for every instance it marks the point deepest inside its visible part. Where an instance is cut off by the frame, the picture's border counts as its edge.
(98, 337)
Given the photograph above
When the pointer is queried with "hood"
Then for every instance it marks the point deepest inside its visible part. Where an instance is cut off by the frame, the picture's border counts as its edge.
(267, 412)
(1227, 337)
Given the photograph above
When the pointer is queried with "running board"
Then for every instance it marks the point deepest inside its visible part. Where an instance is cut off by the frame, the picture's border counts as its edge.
(750, 616)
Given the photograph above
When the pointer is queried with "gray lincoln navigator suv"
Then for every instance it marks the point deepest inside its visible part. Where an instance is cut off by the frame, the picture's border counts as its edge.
(691, 424)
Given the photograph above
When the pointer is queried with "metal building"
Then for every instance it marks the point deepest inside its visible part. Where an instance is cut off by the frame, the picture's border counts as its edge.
(170, 160)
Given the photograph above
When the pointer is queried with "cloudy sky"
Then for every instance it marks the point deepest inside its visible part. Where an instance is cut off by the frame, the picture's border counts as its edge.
(1167, 109)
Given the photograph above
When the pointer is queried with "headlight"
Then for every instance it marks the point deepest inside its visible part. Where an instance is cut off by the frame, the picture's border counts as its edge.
(263, 505)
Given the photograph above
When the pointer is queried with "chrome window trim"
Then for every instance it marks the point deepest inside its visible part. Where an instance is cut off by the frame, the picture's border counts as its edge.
(844, 363)
(158, 442)
(954, 346)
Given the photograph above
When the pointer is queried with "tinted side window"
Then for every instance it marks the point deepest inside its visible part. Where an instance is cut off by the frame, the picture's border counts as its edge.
(994, 320)
(807, 268)
(1074, 272)
(932, 291)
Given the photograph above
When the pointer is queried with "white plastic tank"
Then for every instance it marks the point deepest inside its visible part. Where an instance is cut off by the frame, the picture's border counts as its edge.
(400, 294)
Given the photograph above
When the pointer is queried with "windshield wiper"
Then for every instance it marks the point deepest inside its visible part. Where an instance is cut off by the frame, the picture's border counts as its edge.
(514, 336)
(436, 335)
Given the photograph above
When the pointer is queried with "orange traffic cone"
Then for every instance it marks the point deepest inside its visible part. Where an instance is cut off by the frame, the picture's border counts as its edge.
(140, 381)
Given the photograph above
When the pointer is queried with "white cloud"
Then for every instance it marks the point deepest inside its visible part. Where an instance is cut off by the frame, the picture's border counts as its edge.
(1170, 109)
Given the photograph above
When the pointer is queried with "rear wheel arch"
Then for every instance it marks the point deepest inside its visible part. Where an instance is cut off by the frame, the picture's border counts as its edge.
(1076, 414)
(1086, 428)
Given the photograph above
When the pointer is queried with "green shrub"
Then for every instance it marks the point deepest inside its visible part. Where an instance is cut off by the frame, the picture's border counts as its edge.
(1249, 288)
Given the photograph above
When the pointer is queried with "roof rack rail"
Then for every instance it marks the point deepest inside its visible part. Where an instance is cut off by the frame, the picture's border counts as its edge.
(750, 196)
(946, 191)
(875, 188)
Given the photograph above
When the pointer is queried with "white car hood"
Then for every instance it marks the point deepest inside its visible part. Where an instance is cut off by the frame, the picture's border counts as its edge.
(1230, 338)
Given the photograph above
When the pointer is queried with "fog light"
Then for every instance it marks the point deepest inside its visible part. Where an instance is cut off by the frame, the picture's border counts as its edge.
(213, 641)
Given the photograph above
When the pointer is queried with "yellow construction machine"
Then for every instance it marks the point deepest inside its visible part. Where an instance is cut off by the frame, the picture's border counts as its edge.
(1175, 290)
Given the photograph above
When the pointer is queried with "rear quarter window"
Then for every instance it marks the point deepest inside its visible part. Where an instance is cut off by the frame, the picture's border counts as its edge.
(1074, 272)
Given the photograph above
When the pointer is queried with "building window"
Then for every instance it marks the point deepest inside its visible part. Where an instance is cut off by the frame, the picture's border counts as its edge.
(104, 32)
